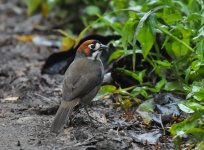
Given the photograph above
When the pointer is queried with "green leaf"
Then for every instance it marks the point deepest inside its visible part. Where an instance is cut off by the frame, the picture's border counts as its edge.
(178, 49)
(160, 66)
(185, 108)
(174, 86)
(197, 132)
(137, 76)
(146, 38)
(82, 33)
(195, 106)
(185, 125)
(140, 76)
(175, 38)
(118, 53)
(104, 91)
(200, 34)
(200, 145)
(115, 55)
(160, 85)
(123, 91)
(169, 16)
(200, 48)
(147, 106)
(32, 5)
(137, 32)
(126, 104)
(197, 91)
(116, 26)
(139, 90)
(128, 33)
(194, 17)
(164, 63)
(107, 89)
(196, 65)
(199, 95)
(92, 10)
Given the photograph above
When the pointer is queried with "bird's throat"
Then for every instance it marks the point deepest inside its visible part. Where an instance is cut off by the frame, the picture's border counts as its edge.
(95, 55)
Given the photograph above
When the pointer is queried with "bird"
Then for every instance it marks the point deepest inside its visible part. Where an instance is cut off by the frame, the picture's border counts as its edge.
(82, 81)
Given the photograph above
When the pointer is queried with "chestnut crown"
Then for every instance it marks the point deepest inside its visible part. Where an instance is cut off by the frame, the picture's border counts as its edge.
(90, 46)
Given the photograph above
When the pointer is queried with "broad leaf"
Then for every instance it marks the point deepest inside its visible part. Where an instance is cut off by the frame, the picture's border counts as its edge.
(185, 125)
(32, 5)
(116, 54)
(174, 86)
(146, 38)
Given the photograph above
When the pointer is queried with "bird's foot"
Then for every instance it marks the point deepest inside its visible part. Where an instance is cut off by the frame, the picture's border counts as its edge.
(91, 118)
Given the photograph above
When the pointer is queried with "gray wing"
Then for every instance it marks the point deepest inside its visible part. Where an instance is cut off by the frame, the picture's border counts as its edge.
(82, 76)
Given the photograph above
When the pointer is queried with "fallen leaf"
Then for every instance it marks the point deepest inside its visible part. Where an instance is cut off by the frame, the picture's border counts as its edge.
(147, 106)
(146, 116)
(10, 99)
(149, 138)
(25, 38)
(168, 110)
(67, 43)
(44, 9)
(43, 41)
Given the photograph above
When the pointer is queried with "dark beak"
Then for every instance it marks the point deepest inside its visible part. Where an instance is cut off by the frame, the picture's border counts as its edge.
(103, 47)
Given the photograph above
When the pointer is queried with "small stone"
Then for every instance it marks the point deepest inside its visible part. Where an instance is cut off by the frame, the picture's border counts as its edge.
(101, 128)
(18, 143)
(39, 142)
(24, 120)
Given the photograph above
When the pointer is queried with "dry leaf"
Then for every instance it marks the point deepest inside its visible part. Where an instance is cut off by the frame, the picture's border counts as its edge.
(67, 43)
(10, 99)
(44, 9)
(25, 38)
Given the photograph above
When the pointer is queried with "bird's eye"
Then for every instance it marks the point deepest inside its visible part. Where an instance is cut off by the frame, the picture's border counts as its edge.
(95, 46)
(91, 46)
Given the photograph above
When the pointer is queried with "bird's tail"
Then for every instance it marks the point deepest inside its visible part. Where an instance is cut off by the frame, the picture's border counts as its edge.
(62, 115)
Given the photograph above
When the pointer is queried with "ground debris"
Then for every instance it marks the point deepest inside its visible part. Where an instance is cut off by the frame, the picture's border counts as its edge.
(146, 138)
(9, 99)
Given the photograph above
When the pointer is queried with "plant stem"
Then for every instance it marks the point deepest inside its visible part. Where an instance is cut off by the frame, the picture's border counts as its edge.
(175, 38)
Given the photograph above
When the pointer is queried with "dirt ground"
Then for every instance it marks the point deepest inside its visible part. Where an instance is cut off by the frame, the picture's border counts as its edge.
(26, 96)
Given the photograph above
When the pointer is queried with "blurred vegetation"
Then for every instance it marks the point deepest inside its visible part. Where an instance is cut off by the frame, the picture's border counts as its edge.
(169, 35)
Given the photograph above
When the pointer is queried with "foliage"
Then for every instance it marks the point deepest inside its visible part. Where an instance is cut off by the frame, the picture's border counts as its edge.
(169, 35)
(177, 59)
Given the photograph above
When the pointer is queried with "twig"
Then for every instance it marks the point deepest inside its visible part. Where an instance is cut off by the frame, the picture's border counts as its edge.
(46, 99)
(86, 142)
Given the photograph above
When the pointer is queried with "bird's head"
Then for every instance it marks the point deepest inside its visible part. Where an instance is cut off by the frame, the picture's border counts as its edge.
(91, 48)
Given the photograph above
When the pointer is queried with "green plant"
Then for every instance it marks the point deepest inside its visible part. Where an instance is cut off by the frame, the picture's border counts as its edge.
(176, 59)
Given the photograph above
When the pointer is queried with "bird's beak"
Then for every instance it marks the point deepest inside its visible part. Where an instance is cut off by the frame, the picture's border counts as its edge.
(103, 47)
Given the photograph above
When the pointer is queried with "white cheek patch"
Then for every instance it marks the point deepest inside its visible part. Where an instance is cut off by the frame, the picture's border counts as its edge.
(97, 46)
(94, 54)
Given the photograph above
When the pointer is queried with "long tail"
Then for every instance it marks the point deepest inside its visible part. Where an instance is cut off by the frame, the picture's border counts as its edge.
(62, 115)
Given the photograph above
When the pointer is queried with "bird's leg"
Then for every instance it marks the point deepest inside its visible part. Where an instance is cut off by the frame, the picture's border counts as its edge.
(90, 118)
